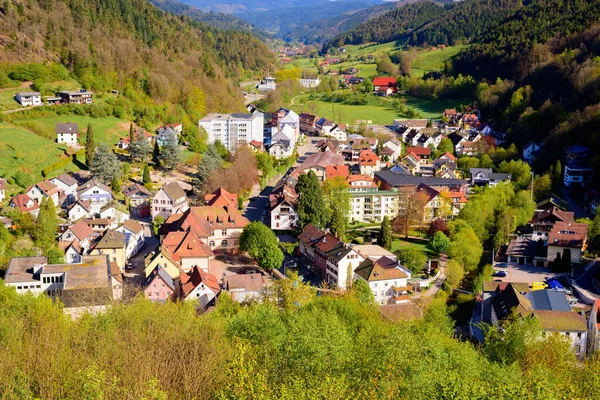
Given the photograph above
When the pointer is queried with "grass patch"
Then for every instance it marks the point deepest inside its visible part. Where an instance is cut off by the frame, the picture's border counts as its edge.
(434, 108)
(25, 151)
(411, 244)
(434, 60)
(106, 130)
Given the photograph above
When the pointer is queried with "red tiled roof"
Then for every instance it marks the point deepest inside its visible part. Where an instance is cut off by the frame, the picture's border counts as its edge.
(565, 234)
(384, 81)
(193, 278)
(361, 178)
(367, 157)
(448, 155)
(81, 230)
(185, 244)
(332, 171)
(221, 197)
(24, 203)
(429, 191)
(419, 151)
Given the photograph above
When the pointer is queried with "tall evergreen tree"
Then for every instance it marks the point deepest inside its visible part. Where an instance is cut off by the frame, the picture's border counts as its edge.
(311, 207)
(156, 153)
(131, 135)
(210, 161)
(385, 234)
(90, 147)
(140, 149)
(146, 175)
(106, 166)
(557, 176)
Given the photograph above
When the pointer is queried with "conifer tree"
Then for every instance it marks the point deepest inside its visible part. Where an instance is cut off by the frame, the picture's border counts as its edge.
(131, 135)
(146, 175)
(90, 147)
(156, 153)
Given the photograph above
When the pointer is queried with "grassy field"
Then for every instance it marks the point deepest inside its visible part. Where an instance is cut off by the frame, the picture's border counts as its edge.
(346, 114)
(410, 244)
(106, 130)
(428, 61)
(433, 108)
(22, 150)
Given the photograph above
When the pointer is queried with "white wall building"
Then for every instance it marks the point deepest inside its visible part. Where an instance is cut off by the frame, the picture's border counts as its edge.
(387, 279)
(309, 83)
(67, 133)
(29, 99)
(234, 130)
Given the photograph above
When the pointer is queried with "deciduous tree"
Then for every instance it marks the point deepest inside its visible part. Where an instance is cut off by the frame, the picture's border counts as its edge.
(414, 260)
(439, 242)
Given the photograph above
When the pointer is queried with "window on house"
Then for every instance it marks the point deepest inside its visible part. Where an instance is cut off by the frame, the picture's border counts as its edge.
(224, 243)
(224, 232)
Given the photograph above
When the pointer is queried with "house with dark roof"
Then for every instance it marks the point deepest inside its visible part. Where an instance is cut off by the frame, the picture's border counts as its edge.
(198, 285)
(282, 208)
(159, 286)
(111, 244)
(486, 177)
(551, 309)
(387, 279)
(170, 199)
(543, 221)
(393, 180)
(67, 189)
(67, 133)
(138, 199)
(567, 238)
(319, 162)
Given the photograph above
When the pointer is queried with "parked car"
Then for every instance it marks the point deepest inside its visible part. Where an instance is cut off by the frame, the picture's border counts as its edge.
(539, 286)
(500, 274)
(129, 266)
(501, 265)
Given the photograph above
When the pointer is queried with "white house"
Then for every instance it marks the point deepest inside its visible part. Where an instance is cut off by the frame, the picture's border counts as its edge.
(67, 189)
(289, 118)
(283, 211)
(96, 193)
(29, 99)
(134, 237)
(395, 146)
(245, 287)
(67, 133)
(336, 132)
(115, 212)
(81, 232)
(341, 263)
(2, 190)
(309, 83)
(387, 279)
(43, 189)
(280, 150)
(170, 199)
(73, 251)
(79, 209)
(200, 286)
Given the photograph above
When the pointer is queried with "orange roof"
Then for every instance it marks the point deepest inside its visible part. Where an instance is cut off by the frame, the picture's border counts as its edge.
(361, 178)
(458, 197)
(47, 187)
(419, 151)
(221, 197)
(192, 279)
(227, 216)
(448, 155)
(384, 81)
(185, 244)
(367, 157)
(332, 171)
(81, 230)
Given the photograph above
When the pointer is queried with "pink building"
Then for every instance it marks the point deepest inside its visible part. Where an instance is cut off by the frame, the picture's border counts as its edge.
(159, 285)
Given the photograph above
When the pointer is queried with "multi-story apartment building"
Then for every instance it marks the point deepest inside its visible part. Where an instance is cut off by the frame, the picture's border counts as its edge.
(234, 130)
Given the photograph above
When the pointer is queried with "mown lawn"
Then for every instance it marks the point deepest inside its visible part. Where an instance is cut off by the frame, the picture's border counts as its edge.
(434, 108)
(106, 130)
(434, 60)
(410, 244)
(22, 150)
(346, 114)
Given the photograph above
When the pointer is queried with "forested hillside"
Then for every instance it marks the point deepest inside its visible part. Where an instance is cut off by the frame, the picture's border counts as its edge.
(296, 347)
(454, 24)
(389, 26)
(214, 19)
(132, 46)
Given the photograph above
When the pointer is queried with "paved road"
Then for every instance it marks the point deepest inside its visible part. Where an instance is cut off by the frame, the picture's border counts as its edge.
(586, 280)
(137, 274)
(255, 208)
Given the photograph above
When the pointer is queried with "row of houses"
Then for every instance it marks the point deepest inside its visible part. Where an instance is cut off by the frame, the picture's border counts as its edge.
(34, 99)
(340, 264)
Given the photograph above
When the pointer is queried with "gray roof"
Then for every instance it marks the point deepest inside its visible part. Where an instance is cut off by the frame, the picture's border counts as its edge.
(67, 179)
(91, 183)
(335, 255)
(548, 300)
(163, 274)
(173, 190)
(69, 127)
(91, 273)
(28, 94)
(397, 179)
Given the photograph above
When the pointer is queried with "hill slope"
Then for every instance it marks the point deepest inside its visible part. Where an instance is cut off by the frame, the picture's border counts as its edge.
(420, 24)
(132, 46)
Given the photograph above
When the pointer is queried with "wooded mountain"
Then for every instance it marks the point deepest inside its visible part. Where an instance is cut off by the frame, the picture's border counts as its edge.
(422, 24)
(132, 46)
(214, 19)
(245, 6)
(329, 27)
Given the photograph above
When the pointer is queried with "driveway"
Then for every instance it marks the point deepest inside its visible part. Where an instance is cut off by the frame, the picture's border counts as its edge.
(308, 148)
(586, 279)
(527, 273)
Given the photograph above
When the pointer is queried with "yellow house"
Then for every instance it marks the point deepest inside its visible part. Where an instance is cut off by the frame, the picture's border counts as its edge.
(163, 259)
(112, 244)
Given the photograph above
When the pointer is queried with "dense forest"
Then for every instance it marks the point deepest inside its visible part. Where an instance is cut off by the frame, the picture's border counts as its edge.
(129, 45)
(297, 346)
(453, 24)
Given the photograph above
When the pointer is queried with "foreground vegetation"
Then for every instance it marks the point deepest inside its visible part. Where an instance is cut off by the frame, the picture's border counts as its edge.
(321, 348)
